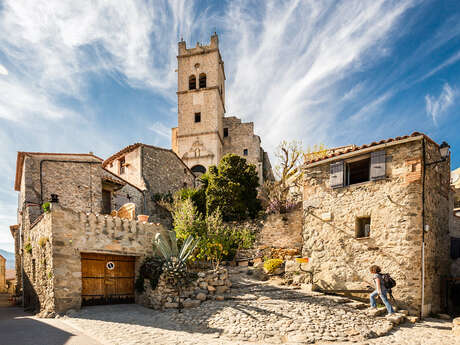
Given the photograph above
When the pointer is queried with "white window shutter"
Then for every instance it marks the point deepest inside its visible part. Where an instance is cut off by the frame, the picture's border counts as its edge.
(337, 174)
(378, 165)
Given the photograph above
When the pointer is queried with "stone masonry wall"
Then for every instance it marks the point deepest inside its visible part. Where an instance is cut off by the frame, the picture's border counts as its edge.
(281, 230)
(2, 274)
(437, 239)
(38, 266)
(211, 284)
(75, 232)
(341, 261)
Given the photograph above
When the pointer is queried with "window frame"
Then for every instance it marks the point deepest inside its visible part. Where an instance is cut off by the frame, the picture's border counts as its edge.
(245, 152)
(360, 227)
(347, 171)
(198, 116)
(122, 165)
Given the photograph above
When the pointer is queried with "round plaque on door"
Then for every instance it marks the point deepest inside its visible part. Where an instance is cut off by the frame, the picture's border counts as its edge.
(110, 265)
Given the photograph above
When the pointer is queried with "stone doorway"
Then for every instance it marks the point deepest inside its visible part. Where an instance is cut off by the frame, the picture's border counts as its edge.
(107, 279)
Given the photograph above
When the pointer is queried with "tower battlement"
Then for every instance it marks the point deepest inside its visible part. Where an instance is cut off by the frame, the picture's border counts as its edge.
(199, 48)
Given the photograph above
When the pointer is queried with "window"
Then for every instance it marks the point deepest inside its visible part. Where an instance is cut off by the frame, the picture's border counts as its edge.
(184, 185)
(225, 132)
(363, 227)
(192, 82)
(358, 171)
(197, 117)
(106, 201)
(122, 166)
(202, 81)
(245, 152)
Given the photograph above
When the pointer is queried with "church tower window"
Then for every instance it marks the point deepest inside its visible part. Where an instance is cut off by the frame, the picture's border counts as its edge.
(245, 152)
(197, 117)
(202, 81)
(192, 82)
(225, 132)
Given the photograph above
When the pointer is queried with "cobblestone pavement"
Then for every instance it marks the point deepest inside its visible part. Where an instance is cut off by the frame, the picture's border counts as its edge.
(256, 313)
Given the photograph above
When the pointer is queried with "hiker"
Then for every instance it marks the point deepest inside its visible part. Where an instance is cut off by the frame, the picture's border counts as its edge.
(379, 289)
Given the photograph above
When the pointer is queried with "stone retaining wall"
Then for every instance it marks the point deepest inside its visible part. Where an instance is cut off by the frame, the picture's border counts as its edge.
(211, 284)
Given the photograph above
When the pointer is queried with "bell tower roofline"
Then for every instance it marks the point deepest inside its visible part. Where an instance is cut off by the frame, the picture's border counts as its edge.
(198, 49)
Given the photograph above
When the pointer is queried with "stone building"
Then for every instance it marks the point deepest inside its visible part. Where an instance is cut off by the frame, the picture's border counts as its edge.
(56, 251)
(204, 134)
(368, 205)
(3, 287)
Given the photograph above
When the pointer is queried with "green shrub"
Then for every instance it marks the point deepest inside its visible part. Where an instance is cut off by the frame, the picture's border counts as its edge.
(150, 269)
(28, 247)
(217, 241)
(46, 207)
(232, 188)
(198, 197)
(272, 264)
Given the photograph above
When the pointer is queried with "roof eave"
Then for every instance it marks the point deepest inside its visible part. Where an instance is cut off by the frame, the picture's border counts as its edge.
(364, 150)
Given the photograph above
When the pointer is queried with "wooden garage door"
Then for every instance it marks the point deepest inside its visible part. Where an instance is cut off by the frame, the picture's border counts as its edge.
(107, 279)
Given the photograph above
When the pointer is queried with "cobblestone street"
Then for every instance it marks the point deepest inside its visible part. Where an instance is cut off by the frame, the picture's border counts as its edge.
(258, 313)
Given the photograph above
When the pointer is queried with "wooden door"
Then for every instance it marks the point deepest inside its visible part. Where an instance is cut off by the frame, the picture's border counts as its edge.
(107, 279)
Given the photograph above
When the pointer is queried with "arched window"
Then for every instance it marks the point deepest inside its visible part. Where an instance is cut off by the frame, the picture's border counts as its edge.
(192, 82)
(198, 170)
(202, 81)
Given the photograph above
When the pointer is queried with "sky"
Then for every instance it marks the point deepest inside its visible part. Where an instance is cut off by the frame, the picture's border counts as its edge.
(81, 76)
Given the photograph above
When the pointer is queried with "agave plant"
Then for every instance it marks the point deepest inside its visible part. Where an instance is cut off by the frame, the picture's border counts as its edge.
(174, 267)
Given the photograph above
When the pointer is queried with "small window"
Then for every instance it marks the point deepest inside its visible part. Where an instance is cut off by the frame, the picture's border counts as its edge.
(122, 167)
(358, 171)
(202, 81)
(197, 117)
(245, 152)
(363, 227)
(192, 82)
(225, 132)
(185, 185)
(185, 170)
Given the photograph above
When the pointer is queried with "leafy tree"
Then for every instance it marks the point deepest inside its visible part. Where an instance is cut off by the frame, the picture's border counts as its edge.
(197, 195)
(232, 187)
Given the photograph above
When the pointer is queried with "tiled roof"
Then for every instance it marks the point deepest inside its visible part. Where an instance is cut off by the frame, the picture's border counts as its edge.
(47, 155)
(353, 148)
(132, 147)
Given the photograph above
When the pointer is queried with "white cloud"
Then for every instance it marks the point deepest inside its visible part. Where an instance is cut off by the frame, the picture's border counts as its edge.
(435, 106)
(3, 70)
(285, 68)
(161, 130)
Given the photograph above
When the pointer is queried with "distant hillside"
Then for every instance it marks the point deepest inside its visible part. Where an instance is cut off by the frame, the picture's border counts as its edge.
(9, 258)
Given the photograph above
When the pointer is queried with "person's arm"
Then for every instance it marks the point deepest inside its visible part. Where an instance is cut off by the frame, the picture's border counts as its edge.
(378, 286)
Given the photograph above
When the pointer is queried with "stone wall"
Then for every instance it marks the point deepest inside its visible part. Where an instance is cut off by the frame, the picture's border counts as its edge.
(394, 204)
(281, 230)
(211, 284)
(3, 286)
(437, 239)
(56, 285)
(38, 266)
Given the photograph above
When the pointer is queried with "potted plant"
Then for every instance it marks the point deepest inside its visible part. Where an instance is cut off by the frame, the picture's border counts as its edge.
(143, 218)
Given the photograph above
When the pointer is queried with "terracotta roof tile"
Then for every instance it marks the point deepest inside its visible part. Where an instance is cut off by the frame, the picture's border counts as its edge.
(353, 148)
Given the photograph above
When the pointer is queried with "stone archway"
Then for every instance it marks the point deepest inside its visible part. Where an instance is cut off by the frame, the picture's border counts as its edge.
(198, 170)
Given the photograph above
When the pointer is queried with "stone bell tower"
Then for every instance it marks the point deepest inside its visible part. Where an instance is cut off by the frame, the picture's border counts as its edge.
(198, 138)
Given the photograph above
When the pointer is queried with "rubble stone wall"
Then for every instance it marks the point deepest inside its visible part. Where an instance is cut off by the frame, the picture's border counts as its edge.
(211, 284)
(38, 266)
(394, 204)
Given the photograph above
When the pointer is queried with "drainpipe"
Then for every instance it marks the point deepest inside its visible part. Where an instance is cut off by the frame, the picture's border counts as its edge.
(423, 229)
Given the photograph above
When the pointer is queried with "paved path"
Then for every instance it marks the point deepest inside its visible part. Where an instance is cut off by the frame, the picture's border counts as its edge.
(257, 314)
(20, 328)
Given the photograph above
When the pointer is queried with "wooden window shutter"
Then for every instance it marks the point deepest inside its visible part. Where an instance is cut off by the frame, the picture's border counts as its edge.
(337, 174)
(378, 165)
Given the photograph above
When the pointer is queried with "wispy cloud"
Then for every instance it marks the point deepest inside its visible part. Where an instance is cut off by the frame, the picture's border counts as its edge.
(3, 70)
(435, 106)
(161, 129)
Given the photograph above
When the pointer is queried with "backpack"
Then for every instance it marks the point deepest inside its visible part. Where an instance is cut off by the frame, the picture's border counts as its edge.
(388, 282)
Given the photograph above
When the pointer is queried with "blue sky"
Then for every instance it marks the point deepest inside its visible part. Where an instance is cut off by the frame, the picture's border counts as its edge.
(80, 76)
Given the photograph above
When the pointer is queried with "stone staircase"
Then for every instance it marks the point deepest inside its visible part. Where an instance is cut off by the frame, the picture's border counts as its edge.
(4, 302)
